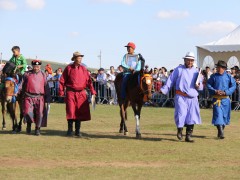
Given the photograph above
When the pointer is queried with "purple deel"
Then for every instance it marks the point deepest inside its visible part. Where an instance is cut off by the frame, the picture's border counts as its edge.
(187, 110)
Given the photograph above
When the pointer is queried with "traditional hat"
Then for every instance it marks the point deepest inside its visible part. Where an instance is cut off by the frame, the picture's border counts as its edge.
(221, 63)
(189, 55)
(131, 44)
(76, 54)
(36, 62)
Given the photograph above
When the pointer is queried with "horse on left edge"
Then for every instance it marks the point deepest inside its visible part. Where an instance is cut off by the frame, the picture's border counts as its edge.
(11, 99)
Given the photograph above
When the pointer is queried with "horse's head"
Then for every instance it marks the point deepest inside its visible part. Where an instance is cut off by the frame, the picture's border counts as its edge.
(9, 89)
(146, 83)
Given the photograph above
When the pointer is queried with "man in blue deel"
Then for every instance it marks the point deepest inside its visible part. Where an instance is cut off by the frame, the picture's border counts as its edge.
(221, 85)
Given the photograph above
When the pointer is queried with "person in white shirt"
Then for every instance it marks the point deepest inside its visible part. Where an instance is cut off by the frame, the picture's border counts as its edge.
(120, 69)
(208, 72)
(163, 75)
(49, 79)
(111, 79)
(102, 81)
(155, 74)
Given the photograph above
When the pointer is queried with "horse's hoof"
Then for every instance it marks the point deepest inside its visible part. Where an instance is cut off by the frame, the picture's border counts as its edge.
(19, 130)
(14, 132)
(126, 133)
(138, 136)
(120, 131)
(4, 128)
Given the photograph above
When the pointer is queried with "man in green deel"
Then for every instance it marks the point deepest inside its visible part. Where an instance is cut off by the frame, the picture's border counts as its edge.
(18, 60)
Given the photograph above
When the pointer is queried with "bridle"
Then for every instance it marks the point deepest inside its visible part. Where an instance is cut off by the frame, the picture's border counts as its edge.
(16, 88)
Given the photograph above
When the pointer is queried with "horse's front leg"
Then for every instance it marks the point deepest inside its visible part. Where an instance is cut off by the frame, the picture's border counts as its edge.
(3, 115)
(15, 122)
(139, 108)
(11, 110)
(19, 129)
(137, 118)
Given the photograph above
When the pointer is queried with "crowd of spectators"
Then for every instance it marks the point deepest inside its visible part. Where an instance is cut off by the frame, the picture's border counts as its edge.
(103, 81)
(53, 78)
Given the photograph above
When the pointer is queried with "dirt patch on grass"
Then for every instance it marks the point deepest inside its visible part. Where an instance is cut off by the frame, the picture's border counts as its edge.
(48, 164)
(29, 163)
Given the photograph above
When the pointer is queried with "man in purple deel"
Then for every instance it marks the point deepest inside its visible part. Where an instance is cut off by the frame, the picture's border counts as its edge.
(184, 80)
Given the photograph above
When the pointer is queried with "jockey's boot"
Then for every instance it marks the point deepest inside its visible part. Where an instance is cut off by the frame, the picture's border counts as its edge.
(70, 127)
(220, 132)
(179, 133)
(189, 131)
(77, 128)
(28, 130)
(37, 131)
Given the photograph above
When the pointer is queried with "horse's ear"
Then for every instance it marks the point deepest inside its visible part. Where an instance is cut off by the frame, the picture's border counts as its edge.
(150, 72)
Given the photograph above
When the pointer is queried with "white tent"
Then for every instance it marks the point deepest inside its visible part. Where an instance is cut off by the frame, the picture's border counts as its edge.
(226, 48)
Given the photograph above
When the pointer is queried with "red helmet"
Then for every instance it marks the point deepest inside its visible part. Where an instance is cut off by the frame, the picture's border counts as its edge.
(131, 44)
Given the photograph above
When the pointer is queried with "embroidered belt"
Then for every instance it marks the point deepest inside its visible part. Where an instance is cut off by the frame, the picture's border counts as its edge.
(33, 94)
(73, 90)
(219, 99)
(181, 93)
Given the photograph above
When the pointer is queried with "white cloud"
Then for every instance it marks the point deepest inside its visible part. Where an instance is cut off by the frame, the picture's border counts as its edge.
(128, 2)
(35, 4)
(212, 28)
(8, 5)
(172, 14)
(74, 34)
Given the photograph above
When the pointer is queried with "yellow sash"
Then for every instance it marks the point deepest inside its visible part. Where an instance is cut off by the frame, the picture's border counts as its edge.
(219, 98)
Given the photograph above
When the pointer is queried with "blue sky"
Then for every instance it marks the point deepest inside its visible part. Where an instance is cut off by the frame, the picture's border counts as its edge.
(163, 30)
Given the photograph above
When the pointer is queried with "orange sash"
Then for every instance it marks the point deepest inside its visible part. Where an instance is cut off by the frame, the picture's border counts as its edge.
(181, 93)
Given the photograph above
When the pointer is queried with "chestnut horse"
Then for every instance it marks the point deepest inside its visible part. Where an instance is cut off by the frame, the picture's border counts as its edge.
(10, 100)
(139, 90)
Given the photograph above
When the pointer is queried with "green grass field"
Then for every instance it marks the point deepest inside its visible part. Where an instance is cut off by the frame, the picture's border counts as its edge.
(103, 153)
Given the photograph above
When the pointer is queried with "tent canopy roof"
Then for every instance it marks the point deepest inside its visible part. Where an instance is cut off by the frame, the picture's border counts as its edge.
(221, 48)
(229, 43)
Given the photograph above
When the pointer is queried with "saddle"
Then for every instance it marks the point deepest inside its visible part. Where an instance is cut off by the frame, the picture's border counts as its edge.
(134, 80)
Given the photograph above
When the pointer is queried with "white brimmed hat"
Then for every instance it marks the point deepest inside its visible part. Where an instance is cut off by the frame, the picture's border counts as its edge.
(189, 55)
